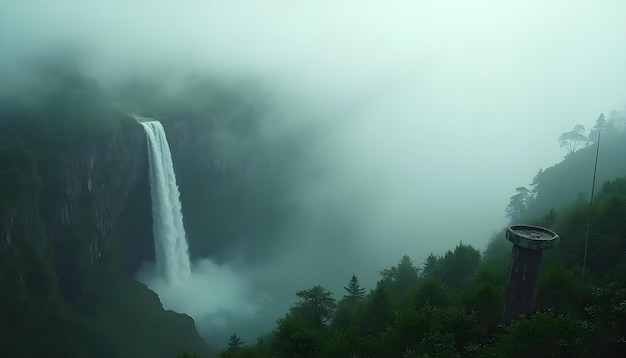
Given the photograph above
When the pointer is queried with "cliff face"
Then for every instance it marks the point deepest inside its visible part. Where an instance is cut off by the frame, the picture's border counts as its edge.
(84, 195)
(25, 254)
(75, 225)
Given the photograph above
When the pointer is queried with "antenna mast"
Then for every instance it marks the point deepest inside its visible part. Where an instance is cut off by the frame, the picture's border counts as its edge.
(593, 187)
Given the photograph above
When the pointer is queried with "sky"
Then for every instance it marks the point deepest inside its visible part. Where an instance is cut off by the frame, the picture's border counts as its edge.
(432, 111)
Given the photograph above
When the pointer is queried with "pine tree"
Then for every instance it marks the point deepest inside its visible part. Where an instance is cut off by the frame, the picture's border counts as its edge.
(534, 185)
(379, 309)
(431, 265)
(600, 126)
(316, 304)
(518, 204)
(234, 343)
(406, 275)
(355, 292)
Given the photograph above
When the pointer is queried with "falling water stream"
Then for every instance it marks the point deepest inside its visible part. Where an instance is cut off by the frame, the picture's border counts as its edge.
(170, 242)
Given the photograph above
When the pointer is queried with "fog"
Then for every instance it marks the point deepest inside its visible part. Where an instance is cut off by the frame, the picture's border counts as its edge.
(430, 114)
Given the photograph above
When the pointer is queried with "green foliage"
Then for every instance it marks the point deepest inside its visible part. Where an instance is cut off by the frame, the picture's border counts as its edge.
(497, 255)
(546, 334)
(431, 265)
(561, 289)
(406, 275)
(295, 337)
(350, 342)
(187, 355)
(434, 331)
(558, 186)
(518, 204)
(234, 343)
(316, 305)
(455, 267)
(354, 290)
(348, 313)
(615, 274)
(431, 292)
(399, 279)
(486, 300)
(378, 310)
(607, 320)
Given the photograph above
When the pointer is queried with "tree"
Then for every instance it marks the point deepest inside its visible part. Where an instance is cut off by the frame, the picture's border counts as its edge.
(379, 309)
(574, 139)
(355, 292)
(350, 342)
(535, 185)
(316, 305)
(485, 300)
(431, 265)
(432, 292)
(545, 334)
(400, 278)
(388, 275)
(406, 275)
(518, 204)
(294, 337)
(457, 266)
(234, 343)
(433, 332)
(599, 126)
(348, 314)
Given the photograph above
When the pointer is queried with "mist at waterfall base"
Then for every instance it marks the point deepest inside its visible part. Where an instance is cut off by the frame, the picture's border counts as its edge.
(217, 297)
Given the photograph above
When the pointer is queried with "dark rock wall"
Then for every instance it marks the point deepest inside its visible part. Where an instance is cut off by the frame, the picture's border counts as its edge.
(84, 194)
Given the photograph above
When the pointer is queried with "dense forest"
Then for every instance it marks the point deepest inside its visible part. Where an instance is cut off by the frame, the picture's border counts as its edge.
(451, 305)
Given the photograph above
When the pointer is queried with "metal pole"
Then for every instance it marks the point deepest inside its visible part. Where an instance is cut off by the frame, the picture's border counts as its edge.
(593, 188)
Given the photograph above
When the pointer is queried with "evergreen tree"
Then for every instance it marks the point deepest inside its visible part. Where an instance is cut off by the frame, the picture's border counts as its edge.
(400, 278)
(518, 204)
(294, 337)
(379, 309)
(534, 185)
(431, 265)
(406, 275)
(599, 127)
(457, 266)
(388, 275)
(316, 305)
(234, 343)
(432, 292)
(348, 314)
(355, 292)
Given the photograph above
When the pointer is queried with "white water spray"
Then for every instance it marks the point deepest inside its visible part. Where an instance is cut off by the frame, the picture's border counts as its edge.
(170, 242)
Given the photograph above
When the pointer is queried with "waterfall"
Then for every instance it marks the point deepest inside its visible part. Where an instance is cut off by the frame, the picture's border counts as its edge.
(170, 242)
